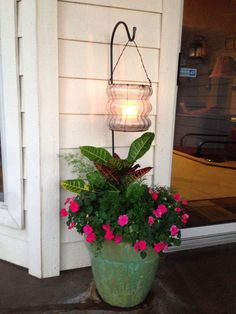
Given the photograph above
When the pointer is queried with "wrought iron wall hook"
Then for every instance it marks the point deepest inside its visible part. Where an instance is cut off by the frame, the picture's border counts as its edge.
(131, 38)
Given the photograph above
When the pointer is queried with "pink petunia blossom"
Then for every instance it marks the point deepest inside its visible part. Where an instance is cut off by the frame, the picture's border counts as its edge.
(74, 207)
(161, 246)
(63, 212)
(160, 210)
(109, 235)
(87, 229)
(154, 196)
(136, 246)
(140, 245)
(178, 209)
(174, 230)
(150, 220)
(118, 238)
(177, 197)
(106, 227)
(71, 225)
(184, 202)
(91, 237)
(123, 220)
(184, 218)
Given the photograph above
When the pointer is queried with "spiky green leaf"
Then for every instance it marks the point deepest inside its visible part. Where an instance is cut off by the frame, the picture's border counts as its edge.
(140, 146)
(96, 154)
(75, 186)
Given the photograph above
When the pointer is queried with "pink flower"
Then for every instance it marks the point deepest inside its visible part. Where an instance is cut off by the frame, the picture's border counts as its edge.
(140, 245)
(87, 229)
(106, 227)
(160, 210)
(123, 220)
(185, 202)
(91, 237)
(177, 197)
(178, 209)
(68, 199)
(136, 246)
(174, 230)
(71, 225)
(109, 235)
(154, 196)
(184, 218)
(118, 238)
(63, 212)
(150, 220)
(74, 207)
(161, 246)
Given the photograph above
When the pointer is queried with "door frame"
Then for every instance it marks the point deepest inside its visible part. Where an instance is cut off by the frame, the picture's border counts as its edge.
(167, 94)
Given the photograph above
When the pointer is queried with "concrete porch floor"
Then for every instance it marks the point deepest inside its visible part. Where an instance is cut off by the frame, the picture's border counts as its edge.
(194, 281)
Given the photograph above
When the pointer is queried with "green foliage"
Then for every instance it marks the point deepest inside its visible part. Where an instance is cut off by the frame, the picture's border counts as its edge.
(96, 154)
(80, 165)
(75, 186)
(140, 146)
(110, 189)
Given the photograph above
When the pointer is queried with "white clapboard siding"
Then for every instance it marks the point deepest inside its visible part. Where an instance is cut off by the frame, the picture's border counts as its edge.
(84, 27)
(22, 92)
(77, 130)
(147, 5)
(74, 255)
(145, 161)
(91, 60)
(88, 96)
(19, 19)
(20, 40)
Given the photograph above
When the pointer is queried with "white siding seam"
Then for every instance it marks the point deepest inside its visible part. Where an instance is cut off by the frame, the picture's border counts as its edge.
(108, 6)
(91, 114)
(103, 43)
(104, 80)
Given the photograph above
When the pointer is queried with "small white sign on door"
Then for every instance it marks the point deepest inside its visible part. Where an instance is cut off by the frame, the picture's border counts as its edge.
(188, 72)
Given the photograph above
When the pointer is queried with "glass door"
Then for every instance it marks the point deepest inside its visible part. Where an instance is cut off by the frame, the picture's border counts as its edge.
(204, 156)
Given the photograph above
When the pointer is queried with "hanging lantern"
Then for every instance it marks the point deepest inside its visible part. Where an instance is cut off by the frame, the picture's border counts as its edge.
(128, 107)
(128, 104)
(197, 49)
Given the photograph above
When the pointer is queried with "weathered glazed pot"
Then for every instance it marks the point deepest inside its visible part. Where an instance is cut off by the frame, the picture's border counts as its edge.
(123, 278)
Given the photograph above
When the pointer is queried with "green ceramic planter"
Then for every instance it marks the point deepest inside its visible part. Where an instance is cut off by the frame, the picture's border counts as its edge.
(122, 277)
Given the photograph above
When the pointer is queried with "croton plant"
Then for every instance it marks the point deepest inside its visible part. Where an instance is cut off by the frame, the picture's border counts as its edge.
(113, 203)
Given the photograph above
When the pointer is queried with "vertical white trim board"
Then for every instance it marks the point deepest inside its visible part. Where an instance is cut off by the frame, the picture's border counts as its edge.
(167, 91)
(11, 210)
(40, 59)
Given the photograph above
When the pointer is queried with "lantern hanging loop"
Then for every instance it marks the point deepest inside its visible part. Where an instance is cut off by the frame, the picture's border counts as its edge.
(130, 39)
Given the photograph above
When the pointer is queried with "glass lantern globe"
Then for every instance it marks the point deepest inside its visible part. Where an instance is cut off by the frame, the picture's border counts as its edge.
(128, 107)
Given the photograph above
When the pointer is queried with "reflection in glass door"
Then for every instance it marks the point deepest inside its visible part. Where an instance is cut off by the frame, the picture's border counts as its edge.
(204, 157)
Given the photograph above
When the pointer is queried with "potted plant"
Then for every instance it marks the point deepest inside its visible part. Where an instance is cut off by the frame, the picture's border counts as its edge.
(127, 225)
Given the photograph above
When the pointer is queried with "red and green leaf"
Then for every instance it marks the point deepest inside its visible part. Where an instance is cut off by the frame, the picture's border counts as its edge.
(134, 175)
(108, 173)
